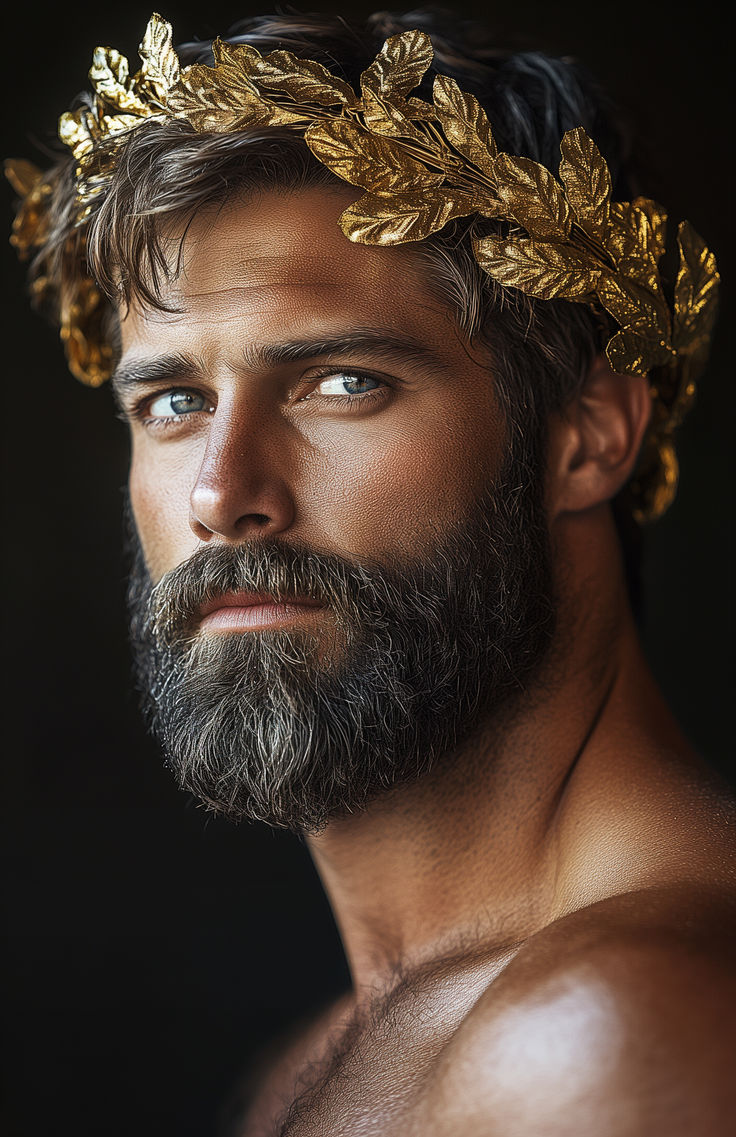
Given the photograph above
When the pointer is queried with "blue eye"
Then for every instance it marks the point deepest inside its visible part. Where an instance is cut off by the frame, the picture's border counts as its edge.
(346, 384)
(176, 403)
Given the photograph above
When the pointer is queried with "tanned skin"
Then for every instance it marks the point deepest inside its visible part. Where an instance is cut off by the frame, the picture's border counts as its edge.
(540, 933)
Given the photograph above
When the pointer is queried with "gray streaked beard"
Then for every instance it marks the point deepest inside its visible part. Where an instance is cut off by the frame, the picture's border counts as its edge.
(295, 727)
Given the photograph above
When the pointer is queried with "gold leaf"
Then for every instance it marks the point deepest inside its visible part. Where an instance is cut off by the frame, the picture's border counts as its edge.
(388, 118)
(587, 181)
(31, 224)
(696, 296)
(396, 70)
(399, 66)
(644, 339)
(532, 198)
(118, 124)
(216, 101)
(233, 69)
(388, 219)
(655, 483)
(109, 77)
(88, 353)
(22, 175)
(623, 236)
(657, 216)
(465, 124)
(634, 242)
(225, 97)
(303, 80)
(629, 303)
(89, 360)
(631, 352)
(79, 131)
(160, 62)
(420, 110)
(547, 271)
(239, 57)
(364, 159)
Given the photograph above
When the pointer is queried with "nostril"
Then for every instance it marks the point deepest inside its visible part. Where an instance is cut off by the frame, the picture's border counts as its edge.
(253, 521)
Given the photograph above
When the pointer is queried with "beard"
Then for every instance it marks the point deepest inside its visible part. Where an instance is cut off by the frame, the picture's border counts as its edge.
(296, 727)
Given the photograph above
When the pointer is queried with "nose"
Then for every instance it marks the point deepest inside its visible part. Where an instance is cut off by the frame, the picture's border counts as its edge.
(241, 489)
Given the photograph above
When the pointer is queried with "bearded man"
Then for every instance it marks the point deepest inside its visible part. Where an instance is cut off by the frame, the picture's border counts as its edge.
(378, 594)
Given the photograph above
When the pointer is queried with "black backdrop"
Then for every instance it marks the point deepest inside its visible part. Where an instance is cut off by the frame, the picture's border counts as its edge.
(152, 949)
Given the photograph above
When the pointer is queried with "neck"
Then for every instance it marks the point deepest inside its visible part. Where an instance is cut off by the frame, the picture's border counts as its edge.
(483, 852)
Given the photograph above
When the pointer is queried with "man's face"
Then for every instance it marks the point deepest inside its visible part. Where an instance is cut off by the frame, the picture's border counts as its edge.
(312, 423)
(374, 476)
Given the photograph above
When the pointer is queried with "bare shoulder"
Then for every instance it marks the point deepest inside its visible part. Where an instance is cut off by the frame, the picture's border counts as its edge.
(618, 1020)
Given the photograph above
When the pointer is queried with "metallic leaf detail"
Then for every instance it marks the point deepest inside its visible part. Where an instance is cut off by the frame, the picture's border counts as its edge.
(88, 354)
(388, 118)
(547, 271)
(634, 242)
(397, 69)
(418, 109)
(117, 124)
(696, 297)
(111, 80)
(365, 159)
(160, 62)
(227, 104)
(533, 198)
(78, 131)
(304, 81)
(31, 224)
(23, 176)
(399, 66)
(644, 339)
(657, 216)
(630, 352)
(392, 218)
(587, 181)
(465, 124)
(655, 483)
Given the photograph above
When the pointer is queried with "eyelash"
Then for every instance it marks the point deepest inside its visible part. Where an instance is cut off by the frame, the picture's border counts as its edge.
(353, 373)
(138, 414)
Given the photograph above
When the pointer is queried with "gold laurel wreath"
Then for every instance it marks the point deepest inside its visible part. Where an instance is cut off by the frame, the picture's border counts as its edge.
(420, 165)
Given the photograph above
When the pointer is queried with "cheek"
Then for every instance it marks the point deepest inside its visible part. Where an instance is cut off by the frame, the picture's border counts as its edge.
(395, 487)
(159, 496)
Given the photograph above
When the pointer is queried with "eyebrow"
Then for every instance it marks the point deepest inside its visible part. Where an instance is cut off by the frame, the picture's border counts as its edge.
(171, 367)
(175, 366)
(377, 341)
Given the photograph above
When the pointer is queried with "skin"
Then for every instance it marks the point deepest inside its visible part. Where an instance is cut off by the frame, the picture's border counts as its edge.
(538, 936)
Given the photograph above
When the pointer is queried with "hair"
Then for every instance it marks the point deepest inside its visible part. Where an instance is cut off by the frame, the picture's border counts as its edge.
(167, 171)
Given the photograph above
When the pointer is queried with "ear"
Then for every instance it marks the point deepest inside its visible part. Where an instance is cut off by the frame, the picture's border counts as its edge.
(594, 443)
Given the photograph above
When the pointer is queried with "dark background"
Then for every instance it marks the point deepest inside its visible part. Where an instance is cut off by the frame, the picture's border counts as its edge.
(152, 949)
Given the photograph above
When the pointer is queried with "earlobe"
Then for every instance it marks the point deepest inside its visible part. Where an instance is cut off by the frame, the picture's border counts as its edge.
(595, 442)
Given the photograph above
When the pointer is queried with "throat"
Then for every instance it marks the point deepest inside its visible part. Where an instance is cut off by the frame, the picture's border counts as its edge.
(437, 870)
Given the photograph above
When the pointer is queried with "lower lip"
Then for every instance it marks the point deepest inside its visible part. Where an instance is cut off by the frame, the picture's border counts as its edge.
(255, 616)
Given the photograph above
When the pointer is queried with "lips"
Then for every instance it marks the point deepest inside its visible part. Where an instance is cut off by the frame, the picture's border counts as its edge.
(254, 600)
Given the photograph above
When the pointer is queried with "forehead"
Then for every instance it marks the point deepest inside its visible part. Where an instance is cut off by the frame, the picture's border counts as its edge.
(278, 265)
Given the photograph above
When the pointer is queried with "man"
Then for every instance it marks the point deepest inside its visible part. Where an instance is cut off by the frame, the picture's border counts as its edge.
(378, 594)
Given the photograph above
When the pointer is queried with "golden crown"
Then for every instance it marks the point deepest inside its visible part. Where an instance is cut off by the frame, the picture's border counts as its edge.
(420, 165)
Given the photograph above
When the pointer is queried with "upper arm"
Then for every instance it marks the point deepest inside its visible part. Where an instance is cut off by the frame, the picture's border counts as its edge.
(625, 1041)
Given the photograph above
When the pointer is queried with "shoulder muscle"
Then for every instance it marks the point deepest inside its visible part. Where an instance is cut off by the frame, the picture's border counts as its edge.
(622, 1034)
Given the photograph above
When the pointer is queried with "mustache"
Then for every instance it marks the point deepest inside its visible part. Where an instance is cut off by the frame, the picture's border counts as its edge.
(281, 571)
